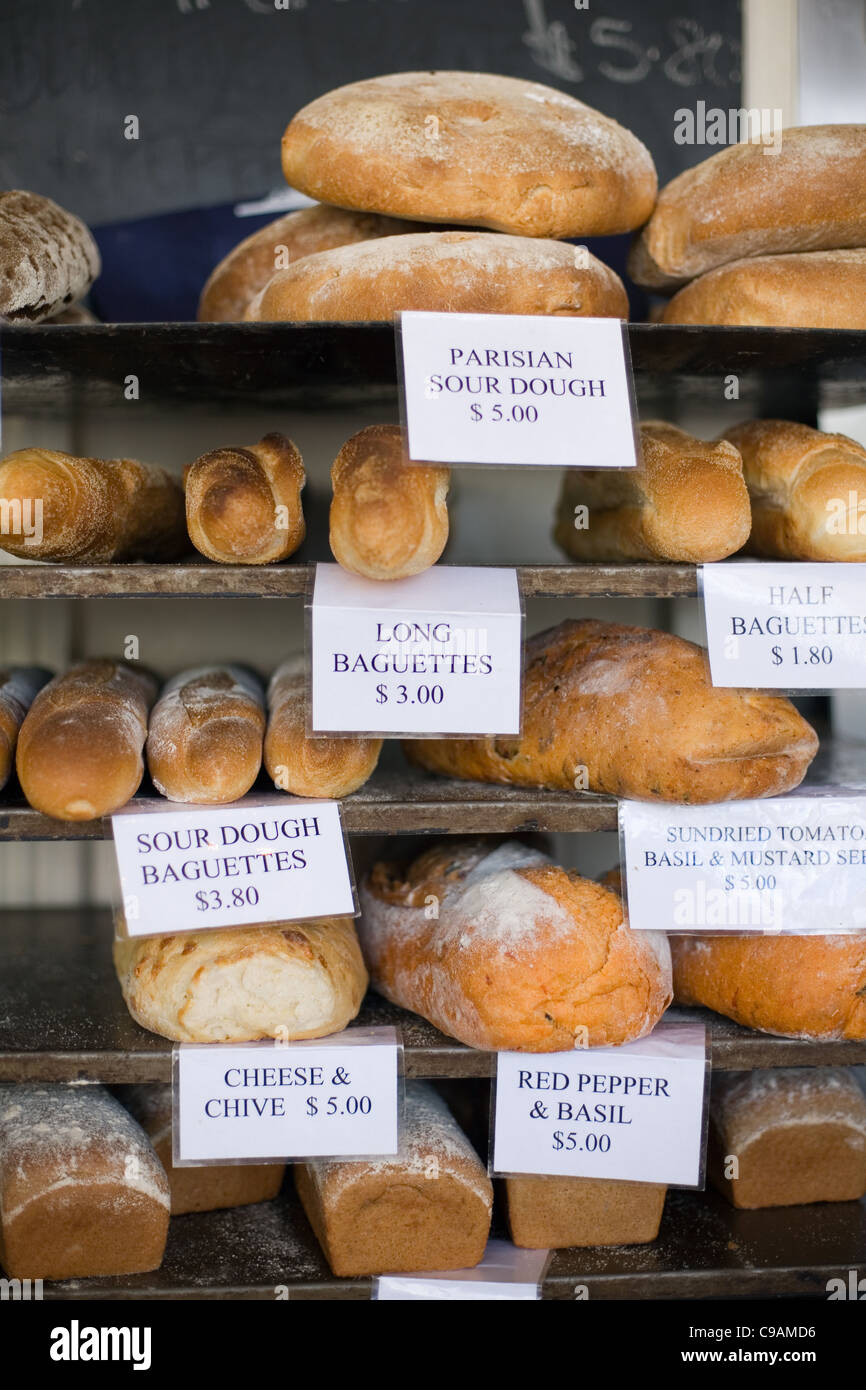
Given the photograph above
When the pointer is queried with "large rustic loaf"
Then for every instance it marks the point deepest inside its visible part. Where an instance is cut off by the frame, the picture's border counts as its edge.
(632, 712)
(18, 688)
(204, 739)
(48, 258)
(815, 289)
(554, 1213)
(304, 766)
(243, 506)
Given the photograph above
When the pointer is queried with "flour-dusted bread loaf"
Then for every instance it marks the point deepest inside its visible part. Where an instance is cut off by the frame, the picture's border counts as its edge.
(243, 506)
(328, 767)
(82, 1192)
(247, 269)
(81, 745)
(204, 739)
(787, 1136)
(465, 272)
(389, 517)
(502, 949)
(426, 1208)
(751, 200)
(85, 511)
(300, 980)
(685, 501)
(206, 1188)
(475, 148)
(796, 986)
(632, 712)
(808, 491)
(816, 289)
(18, 688)
(48, 258)
(555, 1213)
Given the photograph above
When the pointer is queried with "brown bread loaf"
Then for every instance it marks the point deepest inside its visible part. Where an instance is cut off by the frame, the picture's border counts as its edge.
(817, 289)
(243, 506)
(554, 1213)
(328, 767)
(204, 739)
(18, 688)
(48, 259)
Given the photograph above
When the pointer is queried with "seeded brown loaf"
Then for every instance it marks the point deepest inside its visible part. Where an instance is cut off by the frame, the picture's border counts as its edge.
(467, 272)
(632, 712)
(48, 259)
(243, 506)
(685, 501)
(816, 289)
(555, 1213)
(204, 739)
(18, 688)
(330, 767)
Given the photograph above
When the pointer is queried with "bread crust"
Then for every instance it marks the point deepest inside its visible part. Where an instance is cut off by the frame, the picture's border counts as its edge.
(329, 767)
(204, 739)
(557, 1213)
(243, 506)
(48, 258)
(815, 289)
(18, 688)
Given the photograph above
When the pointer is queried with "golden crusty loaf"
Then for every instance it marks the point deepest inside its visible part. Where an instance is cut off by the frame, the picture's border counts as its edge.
(796, 986)
(502, 949)
(817, 289)
(329, 767)
(243, 506)
(48, 258)
(466, 272)
(632, 712)
(748, 200)
(247, 269)
(207, 1188)
(685, 500)
(389, 517)
(473, 148)
(80, 748)
(92, 511)
(797, 1134)
(426, 1208)
(554, 1213)
(808, 491)
(204, 739)
(301, 980)
(18, 689)
(82, 1192)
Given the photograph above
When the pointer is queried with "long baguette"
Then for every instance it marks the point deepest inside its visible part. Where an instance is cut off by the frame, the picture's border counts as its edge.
(18, 689)
(328, 767)
(204, 740)
(243, 506)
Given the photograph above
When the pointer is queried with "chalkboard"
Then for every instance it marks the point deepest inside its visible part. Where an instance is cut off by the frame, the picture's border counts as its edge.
(213, 83)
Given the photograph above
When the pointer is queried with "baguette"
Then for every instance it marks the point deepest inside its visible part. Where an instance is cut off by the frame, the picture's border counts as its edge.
(808, 491)
(458, 272)
(80, 747)
(389, 517)
(816, 289)
(48, 258)
(204, 741)
(805, 195)
(326, 767)
(632, 712)
(91, 511)
(18, 689)
(685, 501)
(501, 949)
(243, 506)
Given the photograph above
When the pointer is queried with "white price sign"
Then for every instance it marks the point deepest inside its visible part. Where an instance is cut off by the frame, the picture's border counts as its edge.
(269, 859)
(506, 1272)
(793, 863)
(633, 1112)
(517, 389)
(786, 626)
(263, 1101)
(438, 654)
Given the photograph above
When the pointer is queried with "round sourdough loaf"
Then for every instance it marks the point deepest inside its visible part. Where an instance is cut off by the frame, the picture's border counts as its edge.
(816, 289)
(473, 148)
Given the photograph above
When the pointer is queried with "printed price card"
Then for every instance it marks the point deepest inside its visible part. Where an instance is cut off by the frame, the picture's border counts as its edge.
(436, 654)
(786, 626)
(517, 389)
(506, 1272)
(783, 864)
(269, 1101)
(634, 1112)
(267, 859)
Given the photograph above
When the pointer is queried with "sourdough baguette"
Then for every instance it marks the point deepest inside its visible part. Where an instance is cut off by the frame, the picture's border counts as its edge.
(685, 501)
(517, 953)
(794, 986)
(243, 506)
(815, 289)
(808, 491)
(466, 272)
(327, 767)
(82, 1192)
(556, 1213)
(474, 148)
(204, 740)
(804, 195)
(249, 266)
(426, 1208)
(632, 712)
(18, 689)
(389, 517)
(80, 747)
(92, 511)
(301, 980)
(48, 258)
